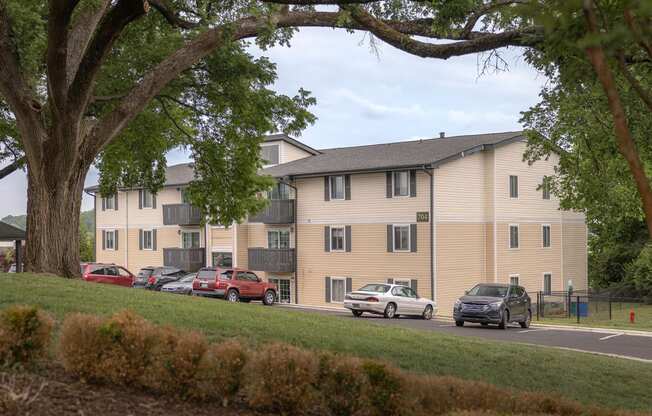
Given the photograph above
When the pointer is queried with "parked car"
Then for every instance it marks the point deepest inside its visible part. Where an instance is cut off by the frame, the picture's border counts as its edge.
(389, 300)
(12, 268)
(153, 278)
(107, 273)
(233, 285)
(182, 286)
(492, 303)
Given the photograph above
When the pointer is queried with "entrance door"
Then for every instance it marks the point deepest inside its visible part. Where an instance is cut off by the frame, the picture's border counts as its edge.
(283, 286)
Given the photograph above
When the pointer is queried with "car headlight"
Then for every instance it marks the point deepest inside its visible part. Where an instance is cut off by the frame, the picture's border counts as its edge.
(495, 305)
(458, 304)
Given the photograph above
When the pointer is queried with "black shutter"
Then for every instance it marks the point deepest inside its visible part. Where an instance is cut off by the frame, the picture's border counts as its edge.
(347, 231)
(349, 285)
(413, 238)
(103, 240)
(327, 193)
(153, 201)
(103, 203)
(347, 187)
(327, 281)
(140, 239)
(327, 238)
(390, 281)
(390, 243)
(115, 203)
(388, 178)
(413, 183)
(413, 285)
(115, 236)
(154, 240)
(140, 199)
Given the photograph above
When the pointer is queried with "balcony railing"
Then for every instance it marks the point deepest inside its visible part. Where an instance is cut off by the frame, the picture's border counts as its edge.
(188, 259)
(271, 259)
(277, 211)
(181, 214)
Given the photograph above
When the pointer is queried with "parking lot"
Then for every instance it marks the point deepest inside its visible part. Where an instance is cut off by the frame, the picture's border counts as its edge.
(607, 342)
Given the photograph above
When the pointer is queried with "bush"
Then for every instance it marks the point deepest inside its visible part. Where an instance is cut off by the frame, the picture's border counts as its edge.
(221, 372)
(387, 391)
(25, 334)
(343, 386)
(281, 379)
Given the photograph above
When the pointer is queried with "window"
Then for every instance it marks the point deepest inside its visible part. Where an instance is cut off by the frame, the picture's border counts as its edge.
(546, 235)
(148, 199)
(337, 187)
(513, 186)
(513, 279)
(222, 259)
(148, 239)
(401, 238)
(109, 240)
(109, 202)
(278, 239)
(184, 196)
(401, 183)
(547, 283)
(545, 189)
(513, 236)
(190, 239)
(337, 238)
(280, 191)
(247, 277)
(270, 154)
(338, 289)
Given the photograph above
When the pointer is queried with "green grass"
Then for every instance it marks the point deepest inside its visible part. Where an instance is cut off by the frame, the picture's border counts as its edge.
(619, 317)
(587, 378)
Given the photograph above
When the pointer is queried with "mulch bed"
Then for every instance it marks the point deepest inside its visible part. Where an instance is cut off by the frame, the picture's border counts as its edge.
(50, 391)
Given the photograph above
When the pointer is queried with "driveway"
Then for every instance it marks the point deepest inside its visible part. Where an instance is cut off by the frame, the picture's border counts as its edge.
(629, 346)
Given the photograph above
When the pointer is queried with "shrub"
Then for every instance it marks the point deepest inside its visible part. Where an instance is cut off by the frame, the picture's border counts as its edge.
(387, 393)
(80, 345)
(221, 372)
(342, 385)
(281, 378)
(25, 334)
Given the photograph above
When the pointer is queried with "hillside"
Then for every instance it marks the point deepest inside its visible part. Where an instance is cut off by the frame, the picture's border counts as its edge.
(20, 221)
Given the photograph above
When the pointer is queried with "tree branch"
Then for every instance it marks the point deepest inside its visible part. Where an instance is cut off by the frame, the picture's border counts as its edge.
(645, 95)
(164, 8)
(59, 14)
(636, 31)
(483, 10)
(172, 119)
(12, 167)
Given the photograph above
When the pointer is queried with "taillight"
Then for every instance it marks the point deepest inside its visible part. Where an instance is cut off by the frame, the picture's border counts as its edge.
(151, 280)
(372, 299)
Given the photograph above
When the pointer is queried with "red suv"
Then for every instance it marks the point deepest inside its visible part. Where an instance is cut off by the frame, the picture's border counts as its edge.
(233, 285)
(106, 273)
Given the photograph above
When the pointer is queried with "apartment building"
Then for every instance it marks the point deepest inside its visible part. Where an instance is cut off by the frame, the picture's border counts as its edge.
(439, 215)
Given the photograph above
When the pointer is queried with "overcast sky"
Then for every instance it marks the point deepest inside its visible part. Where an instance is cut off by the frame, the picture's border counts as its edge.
(365, 97)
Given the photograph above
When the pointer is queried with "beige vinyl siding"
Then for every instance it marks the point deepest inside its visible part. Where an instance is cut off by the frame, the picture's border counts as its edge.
(575, 259)
(109, 217)
(111, 256)
(165, 237)
(242, 239)
(490, 268)
(291, 152)
(368, 261)
(221, 239)
(368, 203)
(257, 235)
(142, 218)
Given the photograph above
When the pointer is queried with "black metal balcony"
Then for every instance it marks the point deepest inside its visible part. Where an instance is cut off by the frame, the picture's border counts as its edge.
(277, 211)
(188, 259)
(271, 259)
(181, 214)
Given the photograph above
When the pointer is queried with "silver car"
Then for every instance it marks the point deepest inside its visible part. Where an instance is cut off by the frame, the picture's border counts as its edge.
(389, 300)
(182, 286)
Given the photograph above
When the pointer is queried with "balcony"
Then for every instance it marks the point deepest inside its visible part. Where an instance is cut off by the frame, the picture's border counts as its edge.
(181, 214)
(188, 259)
(276, 260)
(277, 211)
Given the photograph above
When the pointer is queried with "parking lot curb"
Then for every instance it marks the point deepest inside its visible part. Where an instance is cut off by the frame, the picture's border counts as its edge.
(612, 331)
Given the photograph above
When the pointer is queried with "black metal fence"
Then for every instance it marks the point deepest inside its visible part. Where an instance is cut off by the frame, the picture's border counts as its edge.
(585, 306)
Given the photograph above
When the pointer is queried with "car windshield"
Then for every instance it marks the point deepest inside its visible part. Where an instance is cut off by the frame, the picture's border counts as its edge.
(377, 288)
(492, 291)
(188, 279)
(207, 274)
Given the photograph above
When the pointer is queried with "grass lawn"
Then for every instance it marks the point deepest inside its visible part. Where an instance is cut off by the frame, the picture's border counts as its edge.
(619, 318)
(584, 377)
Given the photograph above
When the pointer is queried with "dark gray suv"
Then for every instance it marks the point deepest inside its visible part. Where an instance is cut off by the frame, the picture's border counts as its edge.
(494, 303)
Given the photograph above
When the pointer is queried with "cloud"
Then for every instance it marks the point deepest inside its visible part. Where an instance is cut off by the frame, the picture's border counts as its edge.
(375, 110)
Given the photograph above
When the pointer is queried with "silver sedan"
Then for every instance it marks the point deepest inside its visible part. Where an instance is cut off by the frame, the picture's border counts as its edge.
(182, 286)
(389, 300)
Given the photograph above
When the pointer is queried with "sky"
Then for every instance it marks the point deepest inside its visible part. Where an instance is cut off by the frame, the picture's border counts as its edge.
(373, 95)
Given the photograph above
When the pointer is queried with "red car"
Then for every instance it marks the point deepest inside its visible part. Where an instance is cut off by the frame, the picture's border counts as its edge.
(233, 285)
(107, 273)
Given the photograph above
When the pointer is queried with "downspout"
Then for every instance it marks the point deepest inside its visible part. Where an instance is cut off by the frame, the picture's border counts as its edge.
(127, 265)
(296, 238)
(432, 232)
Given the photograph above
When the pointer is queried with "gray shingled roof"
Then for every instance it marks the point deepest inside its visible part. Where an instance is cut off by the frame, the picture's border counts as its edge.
(10, 233)
(417, 153)
(286, 138)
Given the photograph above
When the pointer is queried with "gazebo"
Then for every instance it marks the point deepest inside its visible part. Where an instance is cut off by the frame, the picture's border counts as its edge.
(11, 233)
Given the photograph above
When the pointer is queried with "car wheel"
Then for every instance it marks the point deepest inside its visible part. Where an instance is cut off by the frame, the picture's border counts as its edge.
(504, 320)
(357, 314)
(269, 298)
(427, 313)
(390, 311)
(233, 296)
(459, 323)
(528, 319)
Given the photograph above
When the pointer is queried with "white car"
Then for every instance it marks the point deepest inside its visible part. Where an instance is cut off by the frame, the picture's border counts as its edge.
(389, 300)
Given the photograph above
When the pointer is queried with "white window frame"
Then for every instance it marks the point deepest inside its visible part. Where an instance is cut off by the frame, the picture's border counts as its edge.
(518, 279)
(279, 153)
(190, 232)
(338, 227)
(106, 203)
(509, 186)
(543, 240)
(279, 231)
(106, 240)
(343, 280)
(145, 193)
(394, 195)
(409, 247)
(544, 282)
(401, 281)
(151, 239)
(509, 237)
(330, 187)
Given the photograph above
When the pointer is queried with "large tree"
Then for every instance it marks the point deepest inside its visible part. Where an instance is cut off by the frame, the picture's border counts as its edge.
(122, 81)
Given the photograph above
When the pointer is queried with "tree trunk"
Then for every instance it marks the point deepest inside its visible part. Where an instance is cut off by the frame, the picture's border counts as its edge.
(53, 207)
